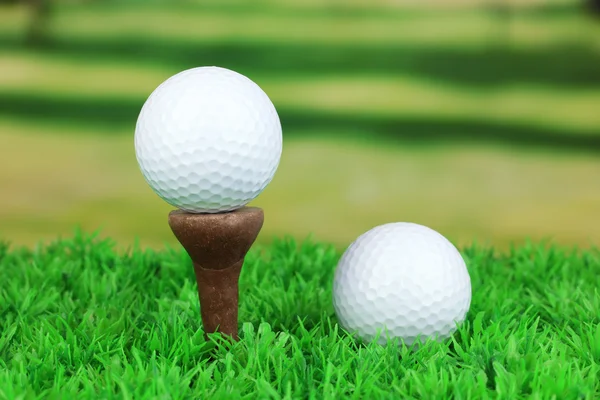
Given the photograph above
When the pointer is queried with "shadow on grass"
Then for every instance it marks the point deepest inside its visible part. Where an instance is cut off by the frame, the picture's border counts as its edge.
(284, 9)
(548, 10)
(571, 65)
(119, 114)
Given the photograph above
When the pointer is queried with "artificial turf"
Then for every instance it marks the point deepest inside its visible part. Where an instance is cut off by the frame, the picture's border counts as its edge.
(80, 320)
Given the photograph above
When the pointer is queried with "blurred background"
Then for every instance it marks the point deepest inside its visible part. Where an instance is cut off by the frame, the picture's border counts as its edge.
(478, 118)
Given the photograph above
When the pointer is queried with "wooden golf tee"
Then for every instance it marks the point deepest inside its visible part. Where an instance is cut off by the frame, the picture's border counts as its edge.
(217, 245)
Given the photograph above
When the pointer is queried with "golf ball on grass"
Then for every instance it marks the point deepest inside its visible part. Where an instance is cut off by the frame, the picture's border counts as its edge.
(208, 140)
(401, 280)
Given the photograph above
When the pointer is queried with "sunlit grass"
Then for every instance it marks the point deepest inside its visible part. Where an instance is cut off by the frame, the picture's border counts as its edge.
(36, 73)
(471, 28)
(398, 95)
(54, 179)
(409, 96)
(80, 320)
(381, 5)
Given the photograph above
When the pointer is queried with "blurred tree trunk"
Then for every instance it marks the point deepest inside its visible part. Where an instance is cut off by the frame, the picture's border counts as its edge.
(38, 25)
(593, 6)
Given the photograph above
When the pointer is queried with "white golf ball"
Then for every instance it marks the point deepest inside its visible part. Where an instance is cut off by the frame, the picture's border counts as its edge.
(401, 280)
(208, 140)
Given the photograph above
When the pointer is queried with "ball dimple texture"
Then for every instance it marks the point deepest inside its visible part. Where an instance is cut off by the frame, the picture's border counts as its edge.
(208, 140)
(401, 280)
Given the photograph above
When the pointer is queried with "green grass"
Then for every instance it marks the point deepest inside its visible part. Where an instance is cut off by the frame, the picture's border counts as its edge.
(78, 320)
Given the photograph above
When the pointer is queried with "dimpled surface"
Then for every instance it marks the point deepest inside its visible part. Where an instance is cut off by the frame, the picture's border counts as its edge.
(208, 140)
(402, 277)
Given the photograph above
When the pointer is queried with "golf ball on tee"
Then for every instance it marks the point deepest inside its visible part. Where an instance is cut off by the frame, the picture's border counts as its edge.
(208, 140)
(401, 280)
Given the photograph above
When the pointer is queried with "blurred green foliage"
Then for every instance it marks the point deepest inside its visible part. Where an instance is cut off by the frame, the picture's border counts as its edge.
(518, 76)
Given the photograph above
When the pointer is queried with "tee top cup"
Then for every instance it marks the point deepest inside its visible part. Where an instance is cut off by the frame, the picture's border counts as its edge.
(208, 141)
